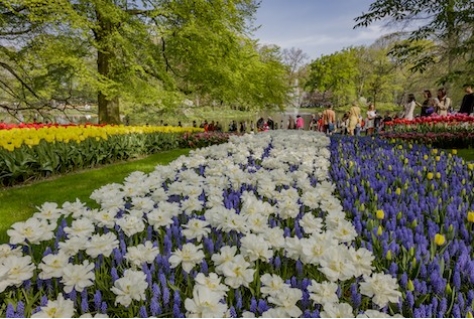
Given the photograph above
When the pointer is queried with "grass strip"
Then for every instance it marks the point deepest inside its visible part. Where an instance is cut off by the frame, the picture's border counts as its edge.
(19, 203)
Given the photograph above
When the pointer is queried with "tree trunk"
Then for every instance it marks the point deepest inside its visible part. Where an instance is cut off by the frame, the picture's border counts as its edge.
(109, 110)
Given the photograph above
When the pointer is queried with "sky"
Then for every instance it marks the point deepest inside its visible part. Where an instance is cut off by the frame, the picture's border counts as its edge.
(318, 27)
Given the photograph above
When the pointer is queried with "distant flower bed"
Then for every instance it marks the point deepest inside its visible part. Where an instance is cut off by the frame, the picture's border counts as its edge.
(455, 130)
(247, 228)
(32, 152)
(414, 209)
(198, 140)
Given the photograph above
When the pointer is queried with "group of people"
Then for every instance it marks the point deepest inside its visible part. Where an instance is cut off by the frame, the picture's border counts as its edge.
(440, 105)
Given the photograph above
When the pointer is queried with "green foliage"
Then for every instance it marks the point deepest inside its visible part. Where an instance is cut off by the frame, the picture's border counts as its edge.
(448, 23)
(148, 55)
(45, 159)
(335, 73)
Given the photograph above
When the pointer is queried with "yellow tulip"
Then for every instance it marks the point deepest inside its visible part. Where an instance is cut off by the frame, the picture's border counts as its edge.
(470, 217)
(380, 214)
(439, 239)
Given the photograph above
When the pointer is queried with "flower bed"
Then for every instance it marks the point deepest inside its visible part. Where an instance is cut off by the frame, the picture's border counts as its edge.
(455, 130)
(28, 153)
(414, 209)
(246, 228)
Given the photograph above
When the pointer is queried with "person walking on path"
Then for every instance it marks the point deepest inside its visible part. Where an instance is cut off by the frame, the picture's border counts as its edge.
(329, 120)
(354, 118)
(467, 104)
(299, 122)
(443, 102)
(410, 107)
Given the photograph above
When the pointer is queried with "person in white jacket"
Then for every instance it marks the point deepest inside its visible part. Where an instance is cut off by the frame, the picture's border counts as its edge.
(410, 107)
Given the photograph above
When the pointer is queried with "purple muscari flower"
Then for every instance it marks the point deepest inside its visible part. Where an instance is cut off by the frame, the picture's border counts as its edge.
(277, 262)
(72, 295)
(166, 296)
(209, 245)
(457, 280)
(204, 267)
(84, 302)
(142, 312)
(149, 232)
(27, 284)
(253, 305)
(114, 274)
(418, 313)
(97, 299)
(177, 312)
(315, 314)
(238, 300)
(355, 296)
(292, 282)
(233, 313)
(307, 314)
(404, 280)
(287, 232)
(299, 268)
(103, 308)
(410, 299)
(10, 313)
(118, 257)
(148, 274)
(305, 300)
(167, 244)
(123, 246)
(298, 230)
(177, 298)
(393, 269)
(163, 281)
(155, 307)
(443, 306)
(262, 306)
(156, 290)
(44, 301)
(456, 313)
(47, 251)
(39, 283)
(461, 301)
(470, 297)
(20, 309)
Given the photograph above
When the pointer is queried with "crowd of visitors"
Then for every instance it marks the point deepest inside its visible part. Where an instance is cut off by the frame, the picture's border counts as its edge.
(355, 121)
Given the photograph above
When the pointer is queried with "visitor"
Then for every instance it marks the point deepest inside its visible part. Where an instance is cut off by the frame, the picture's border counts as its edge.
(299, 122)
(179, 124)
(370, 123)
(270, 123)
(443, 103)
(194, 123)
(252, 127)
(467, 104)
(291, 123)
(329, 119)
(260, 123)
(409, 108)
(354, 119)
(428, 106)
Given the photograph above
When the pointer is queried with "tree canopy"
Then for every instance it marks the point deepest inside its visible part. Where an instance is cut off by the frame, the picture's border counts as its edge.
(150, 53)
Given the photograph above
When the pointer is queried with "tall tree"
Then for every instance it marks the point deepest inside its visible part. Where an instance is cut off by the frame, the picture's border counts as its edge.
(140, 46)
(335, 73)
(449, 23)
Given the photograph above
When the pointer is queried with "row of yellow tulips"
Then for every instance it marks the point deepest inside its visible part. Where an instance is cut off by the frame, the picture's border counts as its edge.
(15, 138)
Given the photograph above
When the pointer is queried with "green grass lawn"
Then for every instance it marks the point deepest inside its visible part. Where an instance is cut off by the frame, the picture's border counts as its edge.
(19, 203)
